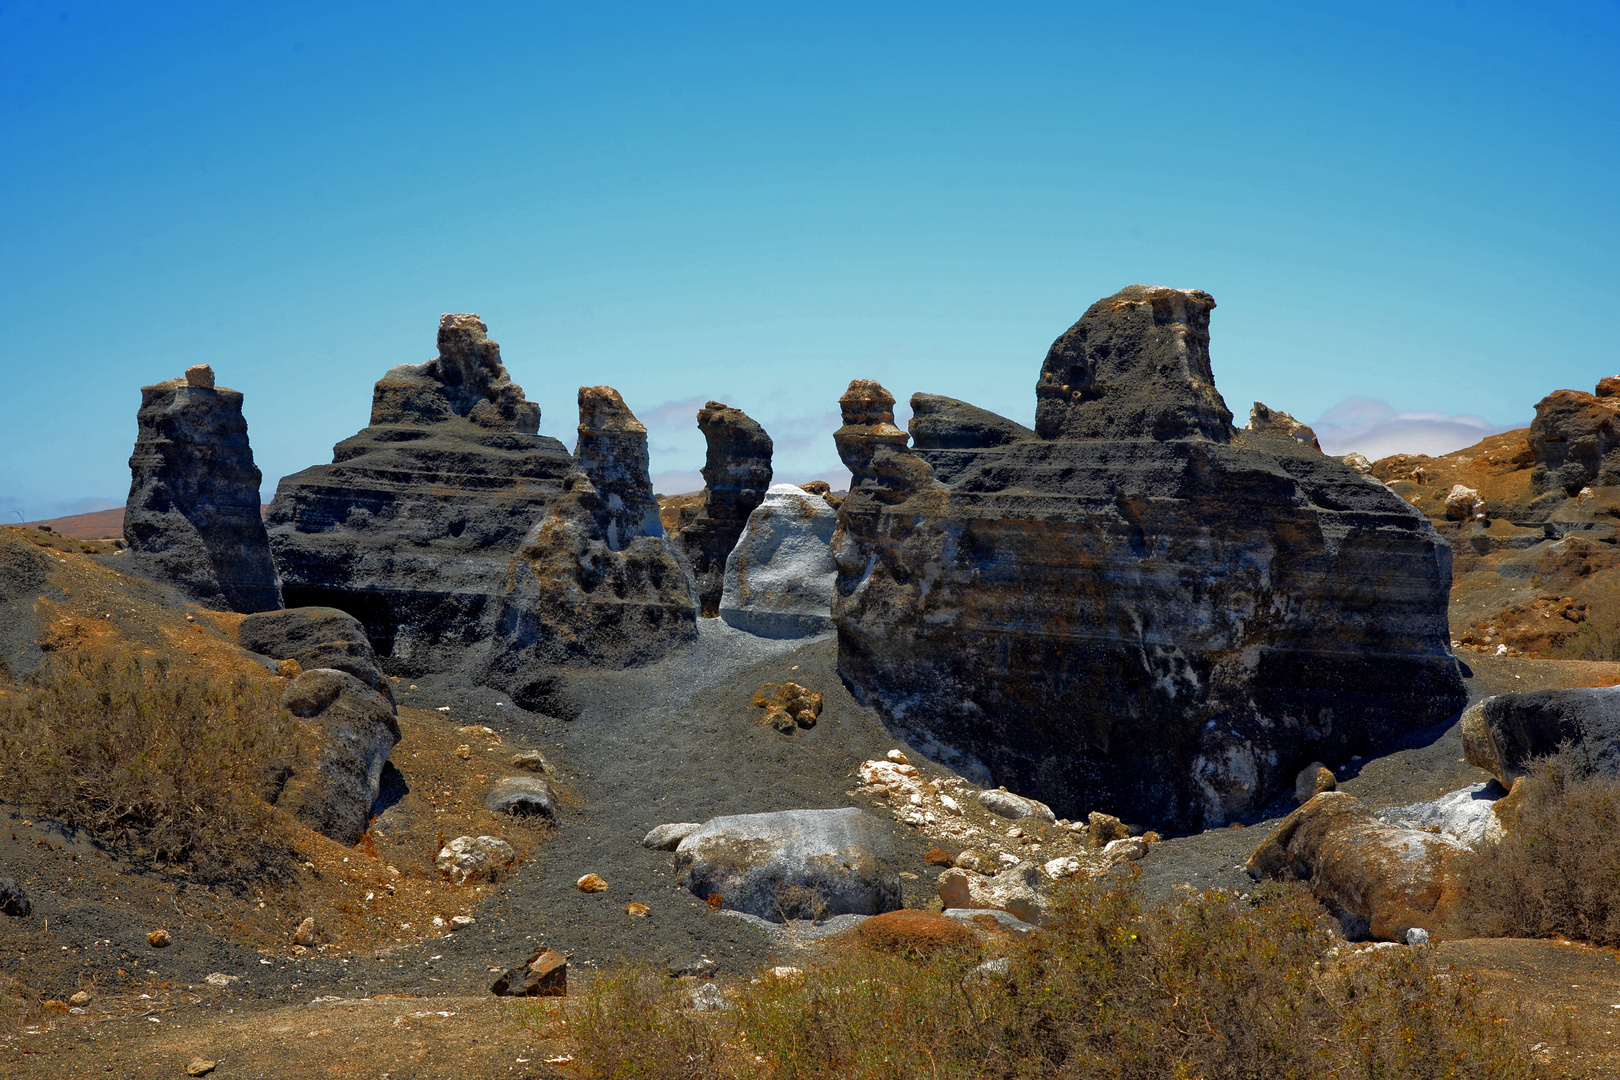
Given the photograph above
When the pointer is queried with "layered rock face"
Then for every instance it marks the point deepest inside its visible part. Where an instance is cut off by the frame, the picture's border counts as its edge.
(597, 581)
(779, 577)
(1575, 438)
(736, 475)
(411, 527)
(1135, 608)
(192, 518)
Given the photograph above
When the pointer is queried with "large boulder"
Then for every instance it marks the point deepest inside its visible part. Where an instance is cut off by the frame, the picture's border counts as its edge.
(1575, 438)
(192, 518)
(1380, 880)
(597, 582)
(1143, 607)
(736, 475)
(346, 733)
(793, 864)
(1505, 734)
(316, 637)
(413, 524)
(779, 577)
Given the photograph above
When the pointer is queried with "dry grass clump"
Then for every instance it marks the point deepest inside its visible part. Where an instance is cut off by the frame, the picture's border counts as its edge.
(159, 763)
(1216, 987)
(1557, 869)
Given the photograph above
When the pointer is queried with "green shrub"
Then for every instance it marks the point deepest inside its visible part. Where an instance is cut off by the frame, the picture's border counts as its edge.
(1215, 987)
(1557, 869)
(156, 762)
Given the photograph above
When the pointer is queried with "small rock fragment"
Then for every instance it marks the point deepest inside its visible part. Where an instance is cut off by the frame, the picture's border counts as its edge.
(707, 997)
(527, 795)
(897, 756)
(1464, 504)
(1128, 849)
(635, 910)
(289, 668)
(306, 934)
(1313, 779)
(461, 922)
(13, 901)
(938, 857)
(545, 974)
(200, 1067)
(1417, 936)
(1061, 867)
(222, 980)
(1103, 829)
(481, 730)
(80, 998)
(668, 836)
(159, 939)
(467, 857)
(977, 861)
(591, 883)
(528, 760)
(790, 706)
(200, 375)
(1003, 802)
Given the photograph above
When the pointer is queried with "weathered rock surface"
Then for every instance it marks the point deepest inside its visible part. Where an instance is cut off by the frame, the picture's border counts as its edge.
(193, 518)
(468, 857)
(779, 576)
(1575, 438)
(1264, 418)
(1505, 733)
(1467, 815)
(1142, 608)
(1008, 805)
(668, 837)
(1380, 880)
(545, 974)
(527, 795)
(792, 864)
(412, 526)
(597, 582)
(736, 474)
(316, 637)
(1013, 891)
(346, 735)
(13, 900)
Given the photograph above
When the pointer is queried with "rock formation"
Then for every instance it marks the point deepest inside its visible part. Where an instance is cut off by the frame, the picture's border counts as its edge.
(597, 581)
(735, 476)
(411, 527)
(1263, 418)
(316, 637)
(1504, 734)
(779, 576)
(1575, 438)
(1135, 608)
(192, 518)
(346, 733)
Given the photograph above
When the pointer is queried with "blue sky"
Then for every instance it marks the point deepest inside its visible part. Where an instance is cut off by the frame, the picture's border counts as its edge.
(1411, 204)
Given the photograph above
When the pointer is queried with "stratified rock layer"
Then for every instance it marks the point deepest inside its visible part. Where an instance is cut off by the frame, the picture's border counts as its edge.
(736, 475)
(1143, 610)
(192, 518)
(411, 527)
(597, 582)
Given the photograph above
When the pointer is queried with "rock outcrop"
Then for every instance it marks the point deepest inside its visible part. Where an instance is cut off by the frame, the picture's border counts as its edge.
(1575, 438)
(345, 734)
(1504, 734)
(1137, 606)
(1263, 418)
(192, 519)
(779, 576)
(793, 864)
(316, 637)
(597, 582)
(1379, 880)
(736, 475)
(411, 527)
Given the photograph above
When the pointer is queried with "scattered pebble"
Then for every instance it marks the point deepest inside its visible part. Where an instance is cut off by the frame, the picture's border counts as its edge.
(306, 934)
(591, 883)
(200, 1067)
(159, 939)
(635, 910)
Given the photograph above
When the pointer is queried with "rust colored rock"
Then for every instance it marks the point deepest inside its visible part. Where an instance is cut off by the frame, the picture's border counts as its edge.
(192, 519)
(598, 582)
(788, 705)
(1608, 386)
(736, 475)
(913, 931)
(1575, 438)
(938, 857)
(637, 910)
(591, 883)
(200, 375)
(545, 974)
(1378, 879)
(412, 525)
(1141, 608)
(159, 939)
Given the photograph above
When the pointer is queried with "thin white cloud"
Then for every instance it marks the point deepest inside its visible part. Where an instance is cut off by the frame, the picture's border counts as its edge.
(1375, 428)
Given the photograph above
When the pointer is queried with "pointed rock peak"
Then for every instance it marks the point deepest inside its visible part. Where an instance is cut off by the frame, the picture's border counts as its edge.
(1264, 418)
(601, 409)
(1136, 366)
(466, 379)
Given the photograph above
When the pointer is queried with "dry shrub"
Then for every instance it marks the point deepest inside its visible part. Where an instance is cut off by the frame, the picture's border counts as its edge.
(158, 763)
(633, 1025)
(19, 1007)
(1215, 987)
(1557, 870)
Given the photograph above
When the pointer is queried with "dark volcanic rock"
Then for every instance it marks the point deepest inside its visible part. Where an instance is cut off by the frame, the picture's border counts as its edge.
(192, 518)
(316, 637)
(736, 475)
(1264, 418)
(597, 582)
(1575, 438)
(1506, 733)
(1144, 611)
(346, 733)
(411, 527)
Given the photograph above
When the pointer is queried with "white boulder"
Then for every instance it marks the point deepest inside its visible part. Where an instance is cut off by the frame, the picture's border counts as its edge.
(779, 577)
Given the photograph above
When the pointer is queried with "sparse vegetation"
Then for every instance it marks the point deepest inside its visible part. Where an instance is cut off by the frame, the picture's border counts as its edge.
(1557, 870)
(1215, 987)
(159, 763)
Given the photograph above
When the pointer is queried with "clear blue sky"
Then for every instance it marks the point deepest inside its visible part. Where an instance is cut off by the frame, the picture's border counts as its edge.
(1414, 203)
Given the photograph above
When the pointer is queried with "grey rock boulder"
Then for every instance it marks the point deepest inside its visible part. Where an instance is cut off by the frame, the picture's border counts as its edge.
(1016, 807)
(192, 519)
(525, 795)
(780, 576)
(316, 637)
(346, 733)
(793, 864)
(1505, 733)
(668, 837)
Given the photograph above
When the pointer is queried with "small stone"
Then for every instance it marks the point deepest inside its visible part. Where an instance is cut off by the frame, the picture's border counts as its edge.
(528, 760)
(199, 375)
(635, 910)
(898, 757)
(1128, 849)
(200, 1067)
(289, 668)
(1103, 829)
(527, 796)
(463, 751)
(222, 980)
(969, 859)
(1313, 779)
(159, 939)
(1008, 805)
(461, 922)
(668, 837)
(1062, 867)
(938, 857)
(1151, 837)
(81, 998)
(591, 883)
(785, 973)
(13, 901)
(481, 730)
(545, 974)
(467, 857)
(707, 997)
(306, 934)
(1417, 936)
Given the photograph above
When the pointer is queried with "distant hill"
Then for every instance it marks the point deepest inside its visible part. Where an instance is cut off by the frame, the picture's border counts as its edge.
(102, 523)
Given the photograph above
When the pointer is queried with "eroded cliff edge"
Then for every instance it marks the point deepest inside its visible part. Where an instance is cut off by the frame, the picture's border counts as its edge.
(1135, 607)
